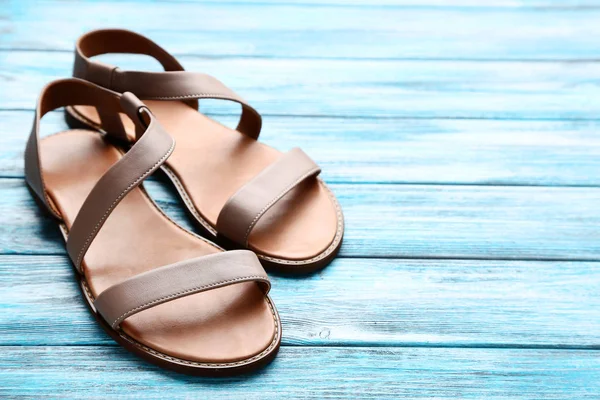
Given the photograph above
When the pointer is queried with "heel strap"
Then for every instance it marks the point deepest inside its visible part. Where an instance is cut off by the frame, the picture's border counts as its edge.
(173, 84)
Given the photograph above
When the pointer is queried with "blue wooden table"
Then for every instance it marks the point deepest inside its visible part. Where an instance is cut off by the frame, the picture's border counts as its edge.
(462, 138)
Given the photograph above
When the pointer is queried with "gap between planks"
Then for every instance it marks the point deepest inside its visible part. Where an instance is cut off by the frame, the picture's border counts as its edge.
(312, 372)
(383, 257)
(324, 58)
(362, 345)
(419, 303)
(367, 117)
(432, 183)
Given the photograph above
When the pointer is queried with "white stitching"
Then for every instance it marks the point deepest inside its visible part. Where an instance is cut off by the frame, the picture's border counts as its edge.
(117, 321)
(116, 201)
(191, 96)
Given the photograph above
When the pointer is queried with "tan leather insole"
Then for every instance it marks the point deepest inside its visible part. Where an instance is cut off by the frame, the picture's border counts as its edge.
(213, 162)
(222, 325)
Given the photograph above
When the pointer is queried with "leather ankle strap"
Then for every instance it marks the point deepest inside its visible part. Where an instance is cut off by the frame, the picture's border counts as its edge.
(173, 84)
(107, 41)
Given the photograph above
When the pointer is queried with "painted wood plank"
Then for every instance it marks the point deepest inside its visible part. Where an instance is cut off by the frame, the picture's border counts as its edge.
(344, 88)
(438, 151)
(376, 373)
(421, 4)
(394, 221)
(354, 302)
(327, 31)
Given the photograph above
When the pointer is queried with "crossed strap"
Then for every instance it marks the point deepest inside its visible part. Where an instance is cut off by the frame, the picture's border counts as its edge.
(151, 149)
(244, 209)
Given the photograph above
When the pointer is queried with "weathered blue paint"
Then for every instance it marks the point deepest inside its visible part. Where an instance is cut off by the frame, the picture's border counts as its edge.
(310, 372)
(355, 302)
(391, 151)
(464, 150)
(392, 221)
(473, 30)
(345, 89)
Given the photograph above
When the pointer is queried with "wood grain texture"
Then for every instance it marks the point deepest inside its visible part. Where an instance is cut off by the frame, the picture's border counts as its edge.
(374, 373)
(537, 5)
(408, 303)
(490, 5)
(356, 88)
(324, 30)
(531, 223)
(441, 151)
(461, 138)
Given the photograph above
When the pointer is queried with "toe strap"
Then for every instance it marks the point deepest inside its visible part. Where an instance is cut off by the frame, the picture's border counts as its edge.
(243, 210)
(177, 280)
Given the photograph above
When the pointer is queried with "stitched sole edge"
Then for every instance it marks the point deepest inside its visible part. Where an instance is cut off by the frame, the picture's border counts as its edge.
(185, 366)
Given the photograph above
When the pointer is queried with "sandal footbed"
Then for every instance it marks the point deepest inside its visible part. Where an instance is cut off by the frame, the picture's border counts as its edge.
(221, 328)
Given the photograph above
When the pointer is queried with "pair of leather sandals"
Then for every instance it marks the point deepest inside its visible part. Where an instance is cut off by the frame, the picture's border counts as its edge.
(175, 298)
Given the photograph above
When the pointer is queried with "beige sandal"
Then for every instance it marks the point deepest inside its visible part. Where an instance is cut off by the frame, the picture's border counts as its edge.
(243, 193)
(211, 312)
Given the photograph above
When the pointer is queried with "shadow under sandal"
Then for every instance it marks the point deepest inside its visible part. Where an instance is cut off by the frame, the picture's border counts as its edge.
(243, 193)
(160, 291)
